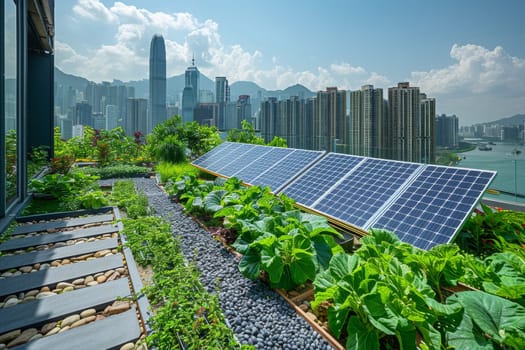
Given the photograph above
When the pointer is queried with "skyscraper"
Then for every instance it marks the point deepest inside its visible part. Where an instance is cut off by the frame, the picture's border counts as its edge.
(190, 94)
(136, 119)
(425, 138)
(157, 83)
(244, 110)
(446, 131)
(329, 122)
(410, 125)
(366, 121)
(222, 97)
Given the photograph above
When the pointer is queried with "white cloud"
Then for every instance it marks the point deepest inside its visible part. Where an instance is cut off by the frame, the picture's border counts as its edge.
(127, 57)
(94, 10)
(477, 70)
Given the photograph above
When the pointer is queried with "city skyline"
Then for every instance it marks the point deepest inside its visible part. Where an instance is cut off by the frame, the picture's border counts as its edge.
(468, 55)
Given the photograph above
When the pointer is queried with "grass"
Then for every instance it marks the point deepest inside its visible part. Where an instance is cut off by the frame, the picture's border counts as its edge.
(168, 170)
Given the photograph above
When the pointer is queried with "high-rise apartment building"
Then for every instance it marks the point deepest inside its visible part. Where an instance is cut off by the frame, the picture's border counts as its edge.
(366, 122)
(268, 119)
(137, 116)
(446, 131)
(329, 120)
(157, 83)
(244, 110)
(425, 130)
(82, 116)
(410, 125)
(111, 117)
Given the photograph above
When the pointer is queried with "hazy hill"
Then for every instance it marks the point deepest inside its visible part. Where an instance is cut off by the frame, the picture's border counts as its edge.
(518, 119)
(175, 85)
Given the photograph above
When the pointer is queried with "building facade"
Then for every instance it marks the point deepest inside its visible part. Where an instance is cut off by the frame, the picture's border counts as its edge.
(157, 82)
(366, 122)
(137, 117)
(26, 95)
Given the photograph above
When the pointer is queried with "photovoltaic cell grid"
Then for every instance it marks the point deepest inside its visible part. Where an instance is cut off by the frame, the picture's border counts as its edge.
(320, 177)
(286, 169)
(228, 155)
(212, 155)
(423, 204)
(435, 205)
(365, 190)
(242, 161)
(263, 163)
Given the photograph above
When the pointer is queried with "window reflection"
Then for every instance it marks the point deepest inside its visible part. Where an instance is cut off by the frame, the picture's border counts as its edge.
(10, 98)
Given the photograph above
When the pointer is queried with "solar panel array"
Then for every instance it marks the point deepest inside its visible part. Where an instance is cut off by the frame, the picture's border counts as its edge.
(257, 164)
(424, 205)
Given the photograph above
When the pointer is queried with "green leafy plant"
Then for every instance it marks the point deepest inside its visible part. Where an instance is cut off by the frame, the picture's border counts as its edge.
(93, 200)
(486, 322)
(118, 170)
(482, 231)
(61, 186)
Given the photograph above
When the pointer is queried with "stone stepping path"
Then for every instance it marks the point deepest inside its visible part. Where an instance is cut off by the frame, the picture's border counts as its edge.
(37, 303)
(28, 228)
(69, 272)
(43, 256)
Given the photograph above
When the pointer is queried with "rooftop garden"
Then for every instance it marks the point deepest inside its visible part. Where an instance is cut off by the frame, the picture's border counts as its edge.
(380, 294)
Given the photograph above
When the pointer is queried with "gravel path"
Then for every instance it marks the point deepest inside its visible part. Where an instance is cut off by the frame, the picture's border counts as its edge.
(257, 314)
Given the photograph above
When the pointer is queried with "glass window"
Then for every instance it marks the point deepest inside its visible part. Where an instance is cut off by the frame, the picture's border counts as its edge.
(10, 99)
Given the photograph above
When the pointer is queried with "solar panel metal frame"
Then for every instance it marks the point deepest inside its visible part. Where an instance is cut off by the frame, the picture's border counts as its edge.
(296, 173)
(424, 214)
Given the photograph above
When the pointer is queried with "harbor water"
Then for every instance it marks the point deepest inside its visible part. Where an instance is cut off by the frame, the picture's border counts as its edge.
(509, 161)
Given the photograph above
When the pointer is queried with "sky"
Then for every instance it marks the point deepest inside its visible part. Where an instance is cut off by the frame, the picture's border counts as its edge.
(468, 54)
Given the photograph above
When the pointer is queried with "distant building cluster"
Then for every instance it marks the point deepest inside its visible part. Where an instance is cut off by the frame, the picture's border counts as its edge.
(401, 128)
(496, 132)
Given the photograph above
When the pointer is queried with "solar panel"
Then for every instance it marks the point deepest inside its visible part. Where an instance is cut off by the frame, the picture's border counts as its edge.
(424, 205)
(263, 163)
(229, 154)
(211, 156)
(435, 205)
(364, 190)
(243, 161)
(286, 169)
(320, 177)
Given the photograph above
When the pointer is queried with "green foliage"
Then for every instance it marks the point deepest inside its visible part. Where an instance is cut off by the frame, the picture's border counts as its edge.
(169, 171)
(172, 137)
(483, 230)
(61, 186)
(388, 288)
(93, 200)
(184, 311)
(278, 142)
(126, 198)
(486, 322)
(118, 170)
(245, 135)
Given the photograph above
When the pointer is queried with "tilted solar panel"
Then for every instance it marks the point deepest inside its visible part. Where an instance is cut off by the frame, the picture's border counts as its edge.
(286, 169)
(228, 155)
(435, 205)
(320, 177)
(263, 163)
(211, 156)
(243, 160)
(364, 190)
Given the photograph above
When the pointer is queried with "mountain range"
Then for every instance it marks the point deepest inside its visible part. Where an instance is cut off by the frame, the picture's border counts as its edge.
(175, 85)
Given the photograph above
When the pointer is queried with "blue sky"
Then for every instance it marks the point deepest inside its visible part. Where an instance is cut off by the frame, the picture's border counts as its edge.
(469, 55)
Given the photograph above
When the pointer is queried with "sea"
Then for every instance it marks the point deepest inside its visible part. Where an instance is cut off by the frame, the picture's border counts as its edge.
(509, 162)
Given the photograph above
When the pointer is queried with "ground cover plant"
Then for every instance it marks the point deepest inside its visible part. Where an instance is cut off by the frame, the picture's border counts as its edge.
(186, 316)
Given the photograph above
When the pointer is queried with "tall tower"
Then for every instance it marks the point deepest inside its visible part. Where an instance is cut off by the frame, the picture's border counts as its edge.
(366, 121)
(190, 94)
(329, 122)
(403, 115)
(157, 82)
(425, 130)
(222, 97)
